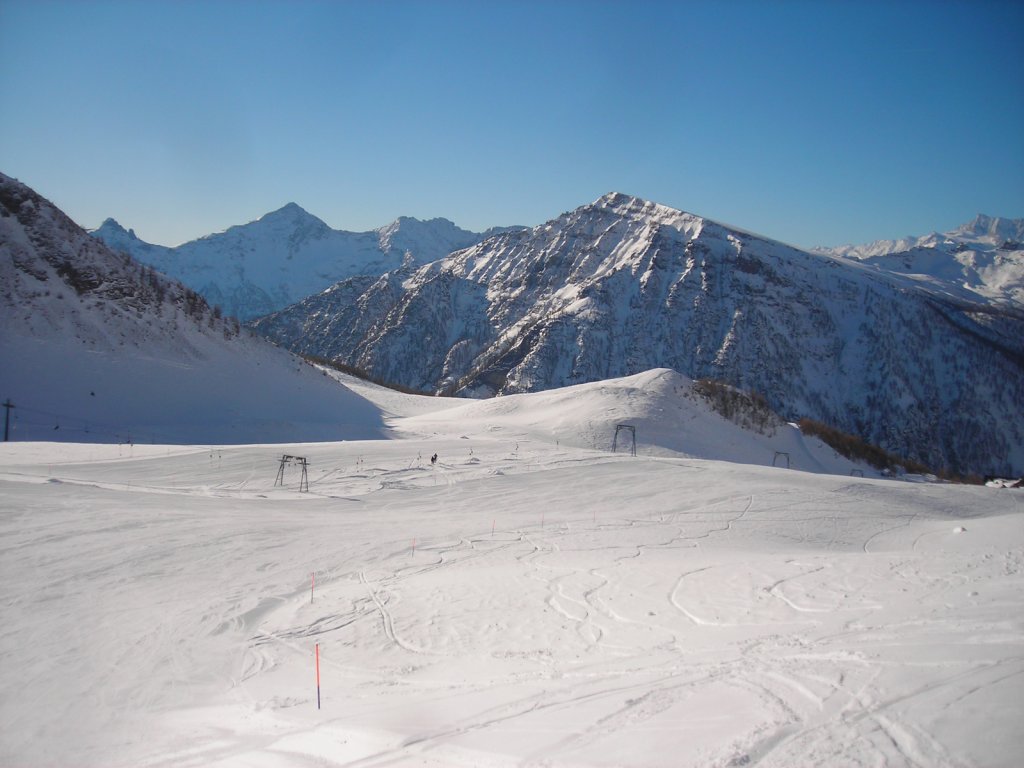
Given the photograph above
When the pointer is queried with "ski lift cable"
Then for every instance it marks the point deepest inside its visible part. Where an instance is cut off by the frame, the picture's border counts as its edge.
(64, 416)
(65, 423)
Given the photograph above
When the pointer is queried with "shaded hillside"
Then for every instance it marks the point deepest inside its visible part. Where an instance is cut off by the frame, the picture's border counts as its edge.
(103, 349)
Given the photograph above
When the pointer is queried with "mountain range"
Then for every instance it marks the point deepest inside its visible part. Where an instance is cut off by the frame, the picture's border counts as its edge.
(984, 257)
(926, 367)
(252, 269)
(105, 349)
(914, 345)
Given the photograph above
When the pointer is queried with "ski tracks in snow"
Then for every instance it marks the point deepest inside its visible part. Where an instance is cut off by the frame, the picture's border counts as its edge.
(386, 620)
(808, 712)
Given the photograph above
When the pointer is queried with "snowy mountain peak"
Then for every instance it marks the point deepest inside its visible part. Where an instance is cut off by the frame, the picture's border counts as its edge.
(982, 258)
(410, 224)
(292, 214)
(617, 200)
(112, 225)
(111, 232)
(995, 229)
(981, 230)
(629, 205)
(291, 209)
(981, 223)
(256, 268)
(637, 209)
(429, 240)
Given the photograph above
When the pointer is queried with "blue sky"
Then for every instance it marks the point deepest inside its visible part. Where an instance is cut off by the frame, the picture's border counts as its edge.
(810, 122)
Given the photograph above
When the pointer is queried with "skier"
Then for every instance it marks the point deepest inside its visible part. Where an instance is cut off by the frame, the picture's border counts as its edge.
(433, 459)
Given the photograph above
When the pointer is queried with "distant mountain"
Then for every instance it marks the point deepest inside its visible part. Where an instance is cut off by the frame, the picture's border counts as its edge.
(623, 285)
(984, 257)
(99, 348)
(286, 255)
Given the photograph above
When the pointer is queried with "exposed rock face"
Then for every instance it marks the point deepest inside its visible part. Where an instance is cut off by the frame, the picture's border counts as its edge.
(623, 285)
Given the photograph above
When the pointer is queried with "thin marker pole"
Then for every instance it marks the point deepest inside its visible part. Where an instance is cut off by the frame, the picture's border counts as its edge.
(318, 675)
(492, 529)
(414, 547)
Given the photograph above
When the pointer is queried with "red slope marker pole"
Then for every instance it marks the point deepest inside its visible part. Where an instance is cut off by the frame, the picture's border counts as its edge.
(318, 675)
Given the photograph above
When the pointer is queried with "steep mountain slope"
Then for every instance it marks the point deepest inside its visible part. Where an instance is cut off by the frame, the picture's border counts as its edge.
(98, 348)
(256, 268)
(622, 285)
(984, 257)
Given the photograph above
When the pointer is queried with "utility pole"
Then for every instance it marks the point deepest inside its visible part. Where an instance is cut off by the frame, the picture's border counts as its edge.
(7, 418)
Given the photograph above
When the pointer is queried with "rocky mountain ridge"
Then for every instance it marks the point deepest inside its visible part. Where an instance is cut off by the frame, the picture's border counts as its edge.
(624, 285)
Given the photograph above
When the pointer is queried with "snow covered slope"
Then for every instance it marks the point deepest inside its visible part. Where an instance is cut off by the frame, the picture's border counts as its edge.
(984, 257)
(256, 268)
(522, 602)
(667, 415)
(623, 285)
(98, 348)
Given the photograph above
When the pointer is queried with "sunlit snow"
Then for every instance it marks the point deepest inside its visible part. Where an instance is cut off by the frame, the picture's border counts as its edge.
(530, 599)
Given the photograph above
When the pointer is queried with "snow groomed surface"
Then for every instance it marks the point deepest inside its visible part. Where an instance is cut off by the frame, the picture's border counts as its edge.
(528, 600)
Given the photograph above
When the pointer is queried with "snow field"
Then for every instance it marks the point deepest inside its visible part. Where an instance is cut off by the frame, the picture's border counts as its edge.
(626, 611)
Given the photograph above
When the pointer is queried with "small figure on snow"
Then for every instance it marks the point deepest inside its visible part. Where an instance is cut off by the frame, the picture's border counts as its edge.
(433, 459)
